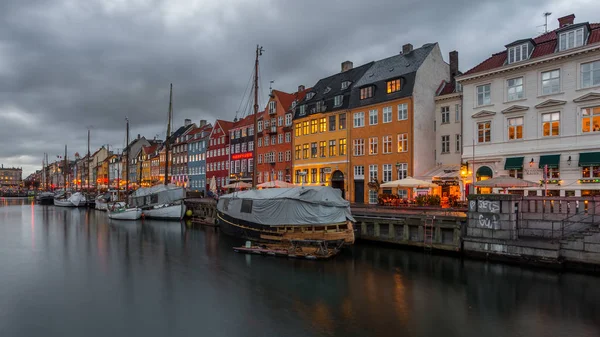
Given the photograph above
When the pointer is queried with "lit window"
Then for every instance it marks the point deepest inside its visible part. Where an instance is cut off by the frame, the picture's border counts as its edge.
(393, 86)
(515, 128)
(342, 144)
(373, 145)
(366, 92)
(332, 148)
(323, 124)
(402, 142)
(551, 124)
(590, 119)
(322, 146)
(313, 126)
(298, 129)
(484, 132)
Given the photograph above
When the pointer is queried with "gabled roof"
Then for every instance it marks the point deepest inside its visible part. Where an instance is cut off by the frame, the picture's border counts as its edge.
(327, 88)
(401, 66)
(150, 149)
(223, 124)
(545, 44)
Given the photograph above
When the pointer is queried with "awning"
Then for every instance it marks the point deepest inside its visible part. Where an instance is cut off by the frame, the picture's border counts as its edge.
(514, 163)
(552, 160)
(445, 171)
(589, 159)
(484, 171)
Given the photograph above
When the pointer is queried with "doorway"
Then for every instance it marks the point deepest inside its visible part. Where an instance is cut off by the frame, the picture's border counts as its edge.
(359, 191)
(337, 181)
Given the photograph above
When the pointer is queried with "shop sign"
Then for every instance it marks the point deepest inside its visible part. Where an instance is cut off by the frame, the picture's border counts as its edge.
(238, 156)
(443, 182)
(533, 171)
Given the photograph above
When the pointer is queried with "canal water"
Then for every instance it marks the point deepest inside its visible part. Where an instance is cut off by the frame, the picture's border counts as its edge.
(73, 272)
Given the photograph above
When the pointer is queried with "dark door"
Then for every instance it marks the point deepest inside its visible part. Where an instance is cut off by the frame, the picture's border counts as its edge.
(359, 191)
(337, 181)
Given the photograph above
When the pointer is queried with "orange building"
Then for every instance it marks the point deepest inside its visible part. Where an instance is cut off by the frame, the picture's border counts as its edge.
(274, 151)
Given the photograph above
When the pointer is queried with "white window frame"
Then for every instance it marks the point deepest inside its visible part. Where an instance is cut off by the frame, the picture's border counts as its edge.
(387, 143)
(591, 113)
(338, 100)
(272, 107)
(358, 147)
(288, 137)
(373, 197)
(288, 119)
(260, 126)
(512, 89)
(518, 53)
(358, 119)
(373, 117)
(594, 69)
(387, 114)
(402, 142)
(445, 110)
(445, 144)
(359, 172)
(402, 170)
(486, 130)
(551, 120)
(387, 172)
(373, 172)
(576, 34)
(373, 146)
(457, 140)
(402, 112)
(511, 124)
(485, 91)
(457, 113)
(550, 82)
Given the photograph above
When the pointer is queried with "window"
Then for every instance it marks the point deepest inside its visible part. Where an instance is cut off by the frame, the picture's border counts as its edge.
(313, 150)
(402, 170)
(590, 171)
(280, 157)
(373, 117)
(518, 53)
(288, 155)
(373, 142)
(458, 147)
(302, 110)
(313, 175)
(322, 146)
(305, 128)
(266, 140)
(280, 121)
(359, 119)
(553, 173)
(323, 124)
(298, 130)
(366, 92)
(590, 74)
(387, 114)
(445, 114)
(359, 172)
(288, 137)
(305, 151)
(322, 175)
(373, 172)
(402, 142)
(402, 112)
(288, 119)
(514, 88)
(387, 144)
(550, 82)
(332, 123)
(266, 124)
(280, 138)
(387, 172)
(516, 173)
(338, 100)
(313, 126)
(259, 142)
(332, 148)
(372, 197)
(297, 149)
(483, 95)
(571, 39)
(304, 179)
(272, 107)
(515, 128)
(342, 121)
(343, 147)
(484, 132)
(551, 124)
(345, 85)
(358, 147)
(445, 144)
(393, 86)
(590, 119)
(321, 106)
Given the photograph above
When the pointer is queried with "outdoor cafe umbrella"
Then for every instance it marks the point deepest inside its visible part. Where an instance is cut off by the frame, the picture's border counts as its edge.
(275, 184)
(505, 182)
(239, 184)
(213, 185)
(409, 182)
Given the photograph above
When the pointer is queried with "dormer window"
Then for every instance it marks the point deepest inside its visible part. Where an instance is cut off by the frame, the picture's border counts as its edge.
(310, 95)
(302, 111)
(272, 107)
(328, 89)
(518, 53)
(393, 86)
(293, 104)
(571, 39)
(321, 106)
(345, 85)
(366, 92)
(338, 100)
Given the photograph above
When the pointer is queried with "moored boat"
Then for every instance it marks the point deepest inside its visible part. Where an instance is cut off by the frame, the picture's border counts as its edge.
(122, 212)
(45, 198)
(287, 214)
(163, 202)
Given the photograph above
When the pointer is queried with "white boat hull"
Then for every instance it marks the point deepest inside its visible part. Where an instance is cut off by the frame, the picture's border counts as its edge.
(170, 212)
(125, 214)
(100, 205)
(63, 203)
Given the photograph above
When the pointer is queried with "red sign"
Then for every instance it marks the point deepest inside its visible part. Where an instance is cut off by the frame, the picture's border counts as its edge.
(241, 156)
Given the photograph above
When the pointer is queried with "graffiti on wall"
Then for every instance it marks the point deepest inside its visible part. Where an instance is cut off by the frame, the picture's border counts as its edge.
(489, 221)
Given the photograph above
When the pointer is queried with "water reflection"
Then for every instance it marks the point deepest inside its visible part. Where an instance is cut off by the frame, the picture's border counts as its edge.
(74, 272)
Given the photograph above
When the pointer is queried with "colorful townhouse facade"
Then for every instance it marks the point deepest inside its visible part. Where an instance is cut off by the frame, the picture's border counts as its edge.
(197, 146)
(217, 154)
(241, 150)
(179, 171)
(274, 145)
(532, 111)
(321, 131)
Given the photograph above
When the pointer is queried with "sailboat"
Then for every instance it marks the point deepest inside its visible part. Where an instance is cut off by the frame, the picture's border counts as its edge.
(302, 215)
(62, 198)
(121, 211)
(162, 201)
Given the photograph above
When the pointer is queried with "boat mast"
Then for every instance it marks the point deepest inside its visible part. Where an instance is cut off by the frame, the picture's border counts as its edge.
(259, 51)
(168, 135)
(108, 168)
(127, 158)
(65, 170)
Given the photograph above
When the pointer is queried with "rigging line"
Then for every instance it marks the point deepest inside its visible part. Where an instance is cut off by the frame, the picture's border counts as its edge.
(246, 90)
(260, 86)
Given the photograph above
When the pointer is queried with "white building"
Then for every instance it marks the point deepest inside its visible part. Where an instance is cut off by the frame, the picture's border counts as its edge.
(536, 106)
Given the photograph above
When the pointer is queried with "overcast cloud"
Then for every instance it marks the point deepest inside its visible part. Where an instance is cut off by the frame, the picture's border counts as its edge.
(66, 65)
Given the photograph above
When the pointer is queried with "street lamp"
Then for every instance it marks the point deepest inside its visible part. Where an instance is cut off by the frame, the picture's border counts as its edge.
(302, 174)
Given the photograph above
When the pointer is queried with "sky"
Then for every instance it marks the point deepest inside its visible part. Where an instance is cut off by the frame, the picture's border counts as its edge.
(67, 66)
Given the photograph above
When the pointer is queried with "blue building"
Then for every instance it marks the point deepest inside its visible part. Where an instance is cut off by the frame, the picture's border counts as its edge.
(197, 145)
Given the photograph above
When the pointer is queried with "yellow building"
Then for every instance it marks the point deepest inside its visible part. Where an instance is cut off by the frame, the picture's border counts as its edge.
(321, 134)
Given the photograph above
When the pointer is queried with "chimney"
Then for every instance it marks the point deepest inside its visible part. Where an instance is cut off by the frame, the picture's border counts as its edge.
(453, 65)
(301, 88)
(407, 48)
(566, 20)
(187, 122)
(202, 122)
(139, 136)
(347, 65)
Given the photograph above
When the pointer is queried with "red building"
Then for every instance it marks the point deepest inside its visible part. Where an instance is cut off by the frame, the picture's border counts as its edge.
(217, 154)
(274, 151)
(241, 143)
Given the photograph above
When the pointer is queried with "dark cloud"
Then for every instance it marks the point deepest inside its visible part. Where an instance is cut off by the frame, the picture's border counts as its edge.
(69, 65)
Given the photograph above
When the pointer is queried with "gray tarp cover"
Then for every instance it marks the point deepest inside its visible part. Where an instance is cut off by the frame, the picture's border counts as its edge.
(319, 205)
(156, 195)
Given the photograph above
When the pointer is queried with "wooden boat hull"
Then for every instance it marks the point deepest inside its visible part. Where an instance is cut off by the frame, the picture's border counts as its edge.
(170, 212)
(280, 251)
(333, 233)
(126, 214)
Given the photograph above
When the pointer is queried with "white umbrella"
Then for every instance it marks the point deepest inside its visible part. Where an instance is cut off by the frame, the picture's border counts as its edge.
(409, 182)
(275, 184)
(239, 184)
(212, 186)
(505, 182)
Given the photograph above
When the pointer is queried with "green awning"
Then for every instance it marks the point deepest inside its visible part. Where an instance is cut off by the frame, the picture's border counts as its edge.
(589, 159)
(484, 171)
(552, 160)
(514, 163)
